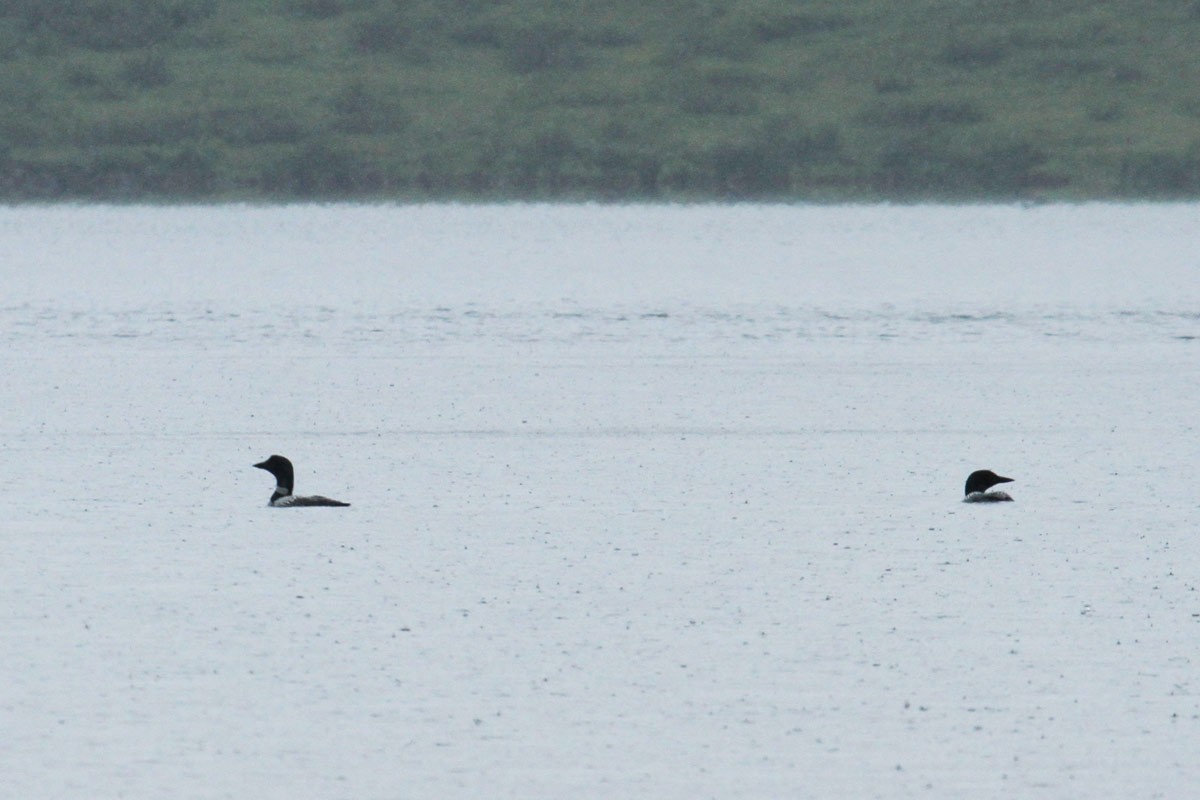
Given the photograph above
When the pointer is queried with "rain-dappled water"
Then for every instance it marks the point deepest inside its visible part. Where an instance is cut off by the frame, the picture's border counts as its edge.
(654, 501)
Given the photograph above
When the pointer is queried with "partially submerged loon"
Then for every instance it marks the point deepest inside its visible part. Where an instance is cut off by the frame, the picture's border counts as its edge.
(979, 482)
(285, 479)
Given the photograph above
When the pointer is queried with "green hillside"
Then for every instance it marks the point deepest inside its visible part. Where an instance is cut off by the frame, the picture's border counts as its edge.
(655, 99)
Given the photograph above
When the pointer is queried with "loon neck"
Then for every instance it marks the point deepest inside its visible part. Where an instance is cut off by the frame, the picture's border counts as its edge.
(987, 497)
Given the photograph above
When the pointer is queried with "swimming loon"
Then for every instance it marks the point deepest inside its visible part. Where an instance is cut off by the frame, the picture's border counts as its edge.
(979, 482)
(285, 479)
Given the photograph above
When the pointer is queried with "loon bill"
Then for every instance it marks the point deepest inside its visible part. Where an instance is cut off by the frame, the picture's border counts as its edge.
(285, 479)
(979, 482)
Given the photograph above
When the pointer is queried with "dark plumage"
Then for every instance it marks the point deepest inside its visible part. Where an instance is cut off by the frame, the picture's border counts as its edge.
(978, 483)
(285, 481)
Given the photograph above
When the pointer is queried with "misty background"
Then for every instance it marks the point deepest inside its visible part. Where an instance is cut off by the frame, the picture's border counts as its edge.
(473, 100)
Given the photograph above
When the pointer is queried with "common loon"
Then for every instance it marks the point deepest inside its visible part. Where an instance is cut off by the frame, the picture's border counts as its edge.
(285, 479)
(979, 482)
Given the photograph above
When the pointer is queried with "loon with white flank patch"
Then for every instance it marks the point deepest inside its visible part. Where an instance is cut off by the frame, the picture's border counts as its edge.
(979, 482)
(285, 480)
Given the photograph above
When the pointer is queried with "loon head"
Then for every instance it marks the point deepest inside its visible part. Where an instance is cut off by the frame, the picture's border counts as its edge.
(982, 480)
(281, 468)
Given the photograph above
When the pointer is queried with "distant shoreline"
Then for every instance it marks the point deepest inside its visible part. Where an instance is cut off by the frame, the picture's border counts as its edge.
(539, 101)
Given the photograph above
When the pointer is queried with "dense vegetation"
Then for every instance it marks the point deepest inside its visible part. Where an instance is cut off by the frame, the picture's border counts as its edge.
(627, 99)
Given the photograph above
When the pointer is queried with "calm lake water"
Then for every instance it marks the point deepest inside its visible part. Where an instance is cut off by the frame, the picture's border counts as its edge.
(653, 501)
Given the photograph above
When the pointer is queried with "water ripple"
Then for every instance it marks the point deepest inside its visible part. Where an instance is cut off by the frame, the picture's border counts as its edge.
(323, 324)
